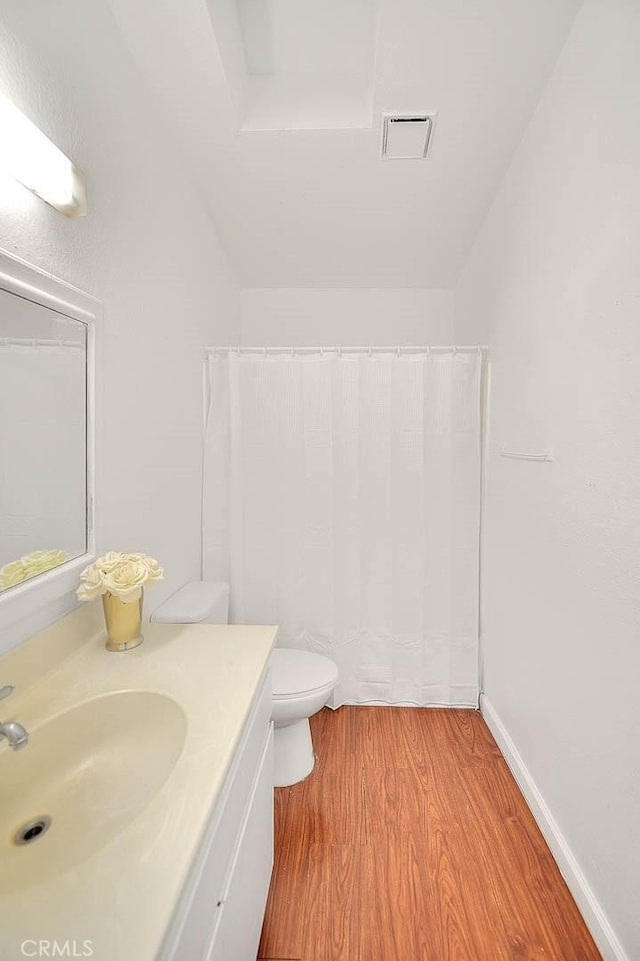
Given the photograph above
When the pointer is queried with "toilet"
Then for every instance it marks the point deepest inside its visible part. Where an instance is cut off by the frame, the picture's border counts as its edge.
(302, 682)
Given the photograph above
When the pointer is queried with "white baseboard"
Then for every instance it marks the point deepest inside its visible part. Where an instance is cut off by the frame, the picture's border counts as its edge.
(595, 918)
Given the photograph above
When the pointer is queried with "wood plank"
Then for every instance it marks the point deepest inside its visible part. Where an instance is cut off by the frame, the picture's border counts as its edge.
(333, 905)
(394, 806)
(536, 906)
(333, 735)
(326, 809)
(410, 841)
(284, 920)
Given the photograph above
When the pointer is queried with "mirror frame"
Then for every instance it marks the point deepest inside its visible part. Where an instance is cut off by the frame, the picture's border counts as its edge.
(39, 601)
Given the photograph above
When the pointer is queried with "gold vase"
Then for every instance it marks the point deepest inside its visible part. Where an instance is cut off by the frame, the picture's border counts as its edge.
(124, 622)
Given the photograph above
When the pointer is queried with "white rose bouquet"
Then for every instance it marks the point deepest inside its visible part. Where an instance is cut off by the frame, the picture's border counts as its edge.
(28, 566)
(123, 575)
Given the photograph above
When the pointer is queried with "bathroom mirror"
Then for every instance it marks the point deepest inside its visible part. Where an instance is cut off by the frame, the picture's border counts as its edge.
(46, 349)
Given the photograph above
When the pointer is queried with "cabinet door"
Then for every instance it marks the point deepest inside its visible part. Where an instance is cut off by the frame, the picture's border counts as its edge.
(241, 913)
(198, 914)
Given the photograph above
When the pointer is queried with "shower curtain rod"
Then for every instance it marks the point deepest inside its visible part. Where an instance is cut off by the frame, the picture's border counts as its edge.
(398, 349)
(37, 342)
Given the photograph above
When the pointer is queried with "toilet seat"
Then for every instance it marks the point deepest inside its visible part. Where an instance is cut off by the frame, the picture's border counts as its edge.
(296, 673)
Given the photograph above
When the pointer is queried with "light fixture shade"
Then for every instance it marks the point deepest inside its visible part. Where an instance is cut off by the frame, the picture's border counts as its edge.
(35, 162)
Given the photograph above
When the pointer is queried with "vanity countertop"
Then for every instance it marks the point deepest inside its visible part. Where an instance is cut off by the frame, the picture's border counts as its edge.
(120, 898)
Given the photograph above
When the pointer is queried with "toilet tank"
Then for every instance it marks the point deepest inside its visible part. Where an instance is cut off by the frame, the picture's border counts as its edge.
(196, 602)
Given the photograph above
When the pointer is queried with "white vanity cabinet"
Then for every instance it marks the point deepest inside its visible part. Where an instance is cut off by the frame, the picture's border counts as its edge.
(188, 859)
(219, 916)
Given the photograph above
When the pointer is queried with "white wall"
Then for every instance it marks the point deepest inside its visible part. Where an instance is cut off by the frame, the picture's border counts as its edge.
(147, 249)
(555, 273)
(307, 317)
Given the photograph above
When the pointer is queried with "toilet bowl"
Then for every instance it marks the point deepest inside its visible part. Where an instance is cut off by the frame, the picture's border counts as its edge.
(302, 682)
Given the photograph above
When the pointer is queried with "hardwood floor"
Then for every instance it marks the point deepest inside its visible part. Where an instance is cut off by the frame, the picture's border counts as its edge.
(411, 842)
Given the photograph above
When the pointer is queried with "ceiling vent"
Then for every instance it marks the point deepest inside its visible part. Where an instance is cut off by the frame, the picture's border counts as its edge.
(406, 136)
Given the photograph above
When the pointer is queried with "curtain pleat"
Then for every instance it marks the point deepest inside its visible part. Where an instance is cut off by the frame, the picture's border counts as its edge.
(342, 502)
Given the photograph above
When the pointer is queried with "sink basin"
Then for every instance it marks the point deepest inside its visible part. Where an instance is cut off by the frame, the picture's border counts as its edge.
(91, 771)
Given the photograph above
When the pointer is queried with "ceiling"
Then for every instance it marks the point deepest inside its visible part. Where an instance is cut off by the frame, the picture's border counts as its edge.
(280, 129)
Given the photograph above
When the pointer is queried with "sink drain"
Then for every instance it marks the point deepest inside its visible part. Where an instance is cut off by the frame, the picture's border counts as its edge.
(32, 830)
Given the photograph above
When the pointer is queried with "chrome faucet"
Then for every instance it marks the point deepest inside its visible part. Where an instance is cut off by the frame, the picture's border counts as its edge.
(15, 734)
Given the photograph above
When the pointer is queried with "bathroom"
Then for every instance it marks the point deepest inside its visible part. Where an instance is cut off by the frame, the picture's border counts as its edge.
(236, 196)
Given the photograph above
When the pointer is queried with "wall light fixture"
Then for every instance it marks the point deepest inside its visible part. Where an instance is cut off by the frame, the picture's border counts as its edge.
(33, 160)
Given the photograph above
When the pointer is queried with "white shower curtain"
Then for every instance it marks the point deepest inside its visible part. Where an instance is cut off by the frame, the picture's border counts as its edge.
(342, 502)
(42, 426)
